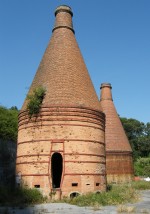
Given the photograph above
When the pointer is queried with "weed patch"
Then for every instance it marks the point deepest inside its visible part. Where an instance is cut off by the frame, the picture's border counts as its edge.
(21, 196)
(119, 194)
(35, 101)
(140, 185)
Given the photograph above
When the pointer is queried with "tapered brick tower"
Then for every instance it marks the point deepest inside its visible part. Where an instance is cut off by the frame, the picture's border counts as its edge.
(61, 150)
(119, 166)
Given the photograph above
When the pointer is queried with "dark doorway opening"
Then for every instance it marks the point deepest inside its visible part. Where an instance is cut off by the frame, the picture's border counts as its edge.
(56, 169)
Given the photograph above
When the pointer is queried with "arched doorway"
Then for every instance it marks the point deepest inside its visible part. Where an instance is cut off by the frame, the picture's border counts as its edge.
(74, 194)
(56, 169)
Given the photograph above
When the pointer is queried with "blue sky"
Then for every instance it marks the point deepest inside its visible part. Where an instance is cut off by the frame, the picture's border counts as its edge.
(113, 36)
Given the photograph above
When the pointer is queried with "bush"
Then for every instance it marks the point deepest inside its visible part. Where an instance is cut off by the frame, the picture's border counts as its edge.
(29, 196)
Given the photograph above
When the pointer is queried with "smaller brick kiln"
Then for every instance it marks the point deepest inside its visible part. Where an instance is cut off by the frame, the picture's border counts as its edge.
(62, 150)
(119, 163)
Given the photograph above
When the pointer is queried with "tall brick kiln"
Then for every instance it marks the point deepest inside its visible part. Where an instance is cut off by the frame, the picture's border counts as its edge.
(119, 163)
(62, 149)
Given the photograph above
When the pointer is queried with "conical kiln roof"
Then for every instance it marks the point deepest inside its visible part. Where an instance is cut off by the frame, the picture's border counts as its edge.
(115, 137)
(62, 71)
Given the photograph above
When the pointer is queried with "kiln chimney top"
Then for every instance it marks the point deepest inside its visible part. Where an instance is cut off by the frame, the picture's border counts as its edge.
(63, 8)
(106, 91)
(63, 15)
(105, 84)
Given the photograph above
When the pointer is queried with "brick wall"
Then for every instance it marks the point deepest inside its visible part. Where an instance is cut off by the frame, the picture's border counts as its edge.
(75, 133)
(119, 163)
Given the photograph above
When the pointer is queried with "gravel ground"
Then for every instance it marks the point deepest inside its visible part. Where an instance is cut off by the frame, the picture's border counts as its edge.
(143, 206)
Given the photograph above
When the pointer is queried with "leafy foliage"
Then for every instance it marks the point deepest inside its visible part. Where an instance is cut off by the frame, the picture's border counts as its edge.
(8, 123)
(138, 134)
(35, 101)
(142, 167)
(8, 139)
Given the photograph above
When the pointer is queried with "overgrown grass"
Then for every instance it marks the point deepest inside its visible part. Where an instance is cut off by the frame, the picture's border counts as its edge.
(20, 196)
(140, 185)
(118, 194)
(125, 209)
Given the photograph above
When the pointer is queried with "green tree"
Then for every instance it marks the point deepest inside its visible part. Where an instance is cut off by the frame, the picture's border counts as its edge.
(8, 123)
(144, 141)
(139, 136)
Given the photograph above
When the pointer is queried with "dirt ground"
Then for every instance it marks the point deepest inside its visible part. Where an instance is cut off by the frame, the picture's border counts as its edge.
(143, 206)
